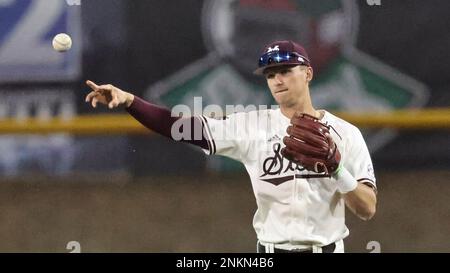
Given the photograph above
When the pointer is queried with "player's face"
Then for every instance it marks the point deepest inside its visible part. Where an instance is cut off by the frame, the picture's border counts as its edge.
(288, 84)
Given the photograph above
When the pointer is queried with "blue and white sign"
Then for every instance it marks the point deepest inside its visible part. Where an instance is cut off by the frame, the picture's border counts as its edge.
(27, 28)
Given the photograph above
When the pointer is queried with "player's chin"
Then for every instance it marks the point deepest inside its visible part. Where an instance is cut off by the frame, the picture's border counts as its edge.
(282, 99)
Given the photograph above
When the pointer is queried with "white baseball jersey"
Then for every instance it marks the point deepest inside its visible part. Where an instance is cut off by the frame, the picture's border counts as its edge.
(295, 207)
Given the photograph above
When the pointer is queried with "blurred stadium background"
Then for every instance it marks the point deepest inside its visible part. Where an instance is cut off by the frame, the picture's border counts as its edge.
(72, 173)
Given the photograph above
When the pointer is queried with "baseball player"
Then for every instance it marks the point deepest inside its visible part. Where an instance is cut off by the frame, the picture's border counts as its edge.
(305, 165)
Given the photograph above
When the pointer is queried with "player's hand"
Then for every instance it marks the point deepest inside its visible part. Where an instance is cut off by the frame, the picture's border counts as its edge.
(108, 94)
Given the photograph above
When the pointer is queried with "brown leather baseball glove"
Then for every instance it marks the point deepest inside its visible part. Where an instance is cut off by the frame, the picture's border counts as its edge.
(310, 145)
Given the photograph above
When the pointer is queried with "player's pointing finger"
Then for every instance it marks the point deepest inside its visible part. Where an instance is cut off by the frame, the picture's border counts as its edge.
(92, 85)
(107, 87)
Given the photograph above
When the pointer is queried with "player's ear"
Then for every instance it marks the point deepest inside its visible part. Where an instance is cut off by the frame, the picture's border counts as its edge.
(309, 73)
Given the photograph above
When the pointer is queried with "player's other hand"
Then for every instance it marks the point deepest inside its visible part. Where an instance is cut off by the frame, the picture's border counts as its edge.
(108, 94)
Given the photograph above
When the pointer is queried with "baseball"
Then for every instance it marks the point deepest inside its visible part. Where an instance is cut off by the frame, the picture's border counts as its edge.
(62, 42)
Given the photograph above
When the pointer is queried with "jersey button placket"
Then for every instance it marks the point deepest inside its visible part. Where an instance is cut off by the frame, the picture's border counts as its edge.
(300, 204)
(299, 187)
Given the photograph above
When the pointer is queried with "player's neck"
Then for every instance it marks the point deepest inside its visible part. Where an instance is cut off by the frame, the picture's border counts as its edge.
(289, 112)
(302, 107)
